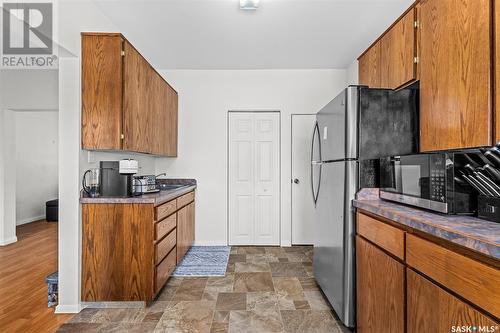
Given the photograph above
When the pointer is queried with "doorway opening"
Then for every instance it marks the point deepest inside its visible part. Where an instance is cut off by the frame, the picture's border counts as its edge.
(29, 172)
(254, 173)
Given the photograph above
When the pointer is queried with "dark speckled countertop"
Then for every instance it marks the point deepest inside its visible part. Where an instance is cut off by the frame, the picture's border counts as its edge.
(153, 198)
(470, 232)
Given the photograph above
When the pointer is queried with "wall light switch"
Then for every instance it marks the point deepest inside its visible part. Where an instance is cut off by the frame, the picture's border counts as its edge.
(325, 133)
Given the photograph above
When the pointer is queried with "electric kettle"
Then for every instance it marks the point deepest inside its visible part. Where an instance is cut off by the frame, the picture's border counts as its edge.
(91, 182)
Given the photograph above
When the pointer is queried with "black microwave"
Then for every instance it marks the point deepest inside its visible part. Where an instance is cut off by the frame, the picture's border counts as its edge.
(433, 181)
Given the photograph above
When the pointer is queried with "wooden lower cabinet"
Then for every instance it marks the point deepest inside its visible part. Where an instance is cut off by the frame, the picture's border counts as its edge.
(432, 288)
(185, 230)
(117, 252)
(380, 290)
(432, 309)
(128, 253)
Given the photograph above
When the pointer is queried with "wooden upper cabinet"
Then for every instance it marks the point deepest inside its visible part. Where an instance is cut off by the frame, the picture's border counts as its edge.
(397, 53)
(369, 67)
(497, 72)
(127, 105)
(389, 62)
(454, 72)
(101, 92)
(432, 309)
(137, 102)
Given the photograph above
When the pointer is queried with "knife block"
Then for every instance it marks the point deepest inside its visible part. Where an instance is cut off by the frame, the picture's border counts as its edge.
(488, 208)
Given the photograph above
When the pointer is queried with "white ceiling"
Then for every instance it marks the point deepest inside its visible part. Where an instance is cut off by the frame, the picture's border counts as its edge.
(281, 34)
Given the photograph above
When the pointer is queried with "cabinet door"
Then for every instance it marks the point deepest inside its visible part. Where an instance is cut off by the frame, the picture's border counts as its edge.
(432, 309)
(165, 117)
(190, 225)
(454, 72)
(397, 53)
(138, 116)
(369, 67)
(172, 120)
(497, 72)
(182, 218)
(167, 114)
(380, 290)
(101, 91)
(185, 230)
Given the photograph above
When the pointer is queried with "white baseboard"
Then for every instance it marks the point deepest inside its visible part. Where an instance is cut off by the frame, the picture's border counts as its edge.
(114, 305)
(8, 241)
(68, 308)
(209, 244)
(30, 219)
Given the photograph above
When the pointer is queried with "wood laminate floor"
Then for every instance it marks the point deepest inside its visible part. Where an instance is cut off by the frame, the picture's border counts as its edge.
(265, 289)
(23, 268)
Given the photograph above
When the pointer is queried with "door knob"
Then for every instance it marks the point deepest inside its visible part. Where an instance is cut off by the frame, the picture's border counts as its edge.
(296, 181)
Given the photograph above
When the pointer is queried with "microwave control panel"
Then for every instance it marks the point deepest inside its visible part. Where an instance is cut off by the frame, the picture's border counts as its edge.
(437, 177)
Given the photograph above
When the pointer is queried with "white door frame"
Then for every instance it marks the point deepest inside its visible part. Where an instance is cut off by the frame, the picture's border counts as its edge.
(227, 164)
(291, 168)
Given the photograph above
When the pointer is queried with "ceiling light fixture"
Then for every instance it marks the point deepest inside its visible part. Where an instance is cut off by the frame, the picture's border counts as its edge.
(249, 4)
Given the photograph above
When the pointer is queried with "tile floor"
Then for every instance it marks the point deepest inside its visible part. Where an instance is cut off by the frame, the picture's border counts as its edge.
(266, 289)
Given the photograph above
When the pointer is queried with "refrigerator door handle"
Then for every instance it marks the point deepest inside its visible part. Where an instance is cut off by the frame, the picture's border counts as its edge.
(319, 184)
(313, 162)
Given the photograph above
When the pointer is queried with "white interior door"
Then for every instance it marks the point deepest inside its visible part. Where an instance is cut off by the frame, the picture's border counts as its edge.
(254, 173)
(302, 200)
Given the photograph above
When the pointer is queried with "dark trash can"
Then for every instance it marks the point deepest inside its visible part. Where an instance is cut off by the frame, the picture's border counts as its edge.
(52, 210)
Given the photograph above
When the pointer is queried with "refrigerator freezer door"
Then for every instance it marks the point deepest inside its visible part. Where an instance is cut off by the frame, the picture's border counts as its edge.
(334, 237)
(332, 124)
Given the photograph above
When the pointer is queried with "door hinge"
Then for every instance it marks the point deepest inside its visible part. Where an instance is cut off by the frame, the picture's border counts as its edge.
(122, 136)
(415, 60)
(416, 24)
(123, 53)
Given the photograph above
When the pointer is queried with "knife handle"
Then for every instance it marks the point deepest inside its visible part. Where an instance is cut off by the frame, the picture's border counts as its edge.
(494, 159)
(494, 173)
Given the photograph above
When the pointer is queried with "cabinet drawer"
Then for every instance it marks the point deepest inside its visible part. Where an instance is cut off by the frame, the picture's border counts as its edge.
(164, 246)
(165, 210)
(387, 237)
(165, 226)
(185, 199)
(164, 269)
(467, 277)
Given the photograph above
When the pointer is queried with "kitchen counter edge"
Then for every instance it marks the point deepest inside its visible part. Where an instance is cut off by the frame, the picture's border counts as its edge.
(472, 233)
(154, 198)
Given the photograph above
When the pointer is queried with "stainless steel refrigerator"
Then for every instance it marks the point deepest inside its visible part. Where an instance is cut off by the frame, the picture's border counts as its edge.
(351, 133)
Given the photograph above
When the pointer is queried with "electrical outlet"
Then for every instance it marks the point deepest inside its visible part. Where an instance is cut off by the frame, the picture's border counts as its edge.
(90, 157)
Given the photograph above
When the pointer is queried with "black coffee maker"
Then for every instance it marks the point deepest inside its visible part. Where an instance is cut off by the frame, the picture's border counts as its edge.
(114, 183)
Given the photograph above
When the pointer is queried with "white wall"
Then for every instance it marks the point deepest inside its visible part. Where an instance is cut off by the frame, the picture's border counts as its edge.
(204, 100)
(352, 73)
(19, 90)
(36, 163)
